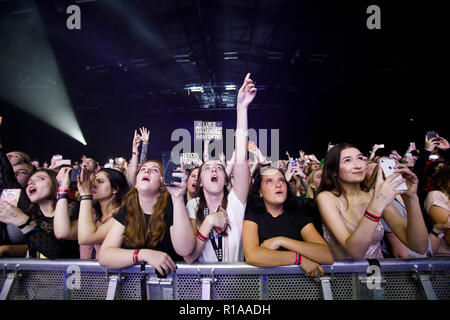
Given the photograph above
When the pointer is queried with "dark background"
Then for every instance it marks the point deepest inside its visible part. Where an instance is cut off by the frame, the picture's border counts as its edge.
(322, 75)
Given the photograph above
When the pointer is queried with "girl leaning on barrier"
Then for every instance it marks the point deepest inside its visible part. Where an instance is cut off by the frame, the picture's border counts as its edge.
(276, 230)
(217, 214)
(351, 213)
(152, 225)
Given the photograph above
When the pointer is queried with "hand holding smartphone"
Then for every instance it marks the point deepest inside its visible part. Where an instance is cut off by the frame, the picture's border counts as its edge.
(388, 169)
(11, 196)
(169, 168)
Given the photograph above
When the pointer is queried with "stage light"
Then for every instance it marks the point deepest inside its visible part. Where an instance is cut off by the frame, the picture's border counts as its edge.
(29, 74)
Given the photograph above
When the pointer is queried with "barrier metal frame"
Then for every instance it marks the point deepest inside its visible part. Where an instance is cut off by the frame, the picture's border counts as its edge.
(345, 279)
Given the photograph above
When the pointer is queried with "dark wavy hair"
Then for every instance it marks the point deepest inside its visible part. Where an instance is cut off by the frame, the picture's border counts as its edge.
(119, 183)
(330, 174)
(256, 203)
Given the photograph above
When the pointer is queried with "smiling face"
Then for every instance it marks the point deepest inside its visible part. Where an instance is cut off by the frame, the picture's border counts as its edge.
(213, 177)
(352, 166)
(40, 187)
(149, 177)
(273, 187)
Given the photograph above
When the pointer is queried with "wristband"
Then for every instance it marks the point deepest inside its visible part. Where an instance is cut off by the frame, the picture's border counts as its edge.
(26, 223)
(371, 217)
(61, 196)
(438, 235)
(135, 256)
(86, 197)
(298, 258)
(63, 191)
(201, 237)
(135, 153)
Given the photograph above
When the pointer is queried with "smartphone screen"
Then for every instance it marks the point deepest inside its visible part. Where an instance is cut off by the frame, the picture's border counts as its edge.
(11, 196)
(74, 174)
(431, 134)
(169, 166)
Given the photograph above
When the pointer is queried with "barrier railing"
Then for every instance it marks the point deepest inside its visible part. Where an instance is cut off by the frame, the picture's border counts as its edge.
(38, 279)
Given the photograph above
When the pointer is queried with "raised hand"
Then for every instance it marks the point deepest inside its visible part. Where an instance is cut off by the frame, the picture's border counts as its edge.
(84, 183)
(136, 142)
(145, 135)
(63, 178)
(178, 189)
(411, 179)
(247, 92)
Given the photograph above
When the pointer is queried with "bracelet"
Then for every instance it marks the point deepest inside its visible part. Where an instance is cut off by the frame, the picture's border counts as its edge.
(371, 217)
(438, 235)
(63, 191)
(26, 223)
(135, 256)
(135, 153)
(298, 258)
(86, 197)
(61, 196)
(201, 237)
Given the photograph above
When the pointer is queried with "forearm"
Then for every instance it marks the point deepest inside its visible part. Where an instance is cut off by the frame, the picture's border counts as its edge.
(62, 226)
(264, 257)
(143, 157)
(318, 252)
(184, 239)
(416, 230)
(241, 134)
(358, 242)
(116, 258)
(205, 228)
(86, 223)
(132, 169)
(14, 250)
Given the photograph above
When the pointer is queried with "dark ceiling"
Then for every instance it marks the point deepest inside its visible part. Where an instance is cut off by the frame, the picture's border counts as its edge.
(321, 74)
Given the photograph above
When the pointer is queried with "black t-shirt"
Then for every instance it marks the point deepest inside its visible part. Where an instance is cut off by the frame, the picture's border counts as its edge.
(289, 224)
(166, 243)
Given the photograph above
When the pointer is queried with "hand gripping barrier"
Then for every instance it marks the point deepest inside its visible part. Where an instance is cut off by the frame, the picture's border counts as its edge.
(388, 279)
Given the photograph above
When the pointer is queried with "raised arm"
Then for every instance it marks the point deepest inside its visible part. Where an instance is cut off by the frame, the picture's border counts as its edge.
(132, 168)
(145, 135)
(246, 94)
(62, 226)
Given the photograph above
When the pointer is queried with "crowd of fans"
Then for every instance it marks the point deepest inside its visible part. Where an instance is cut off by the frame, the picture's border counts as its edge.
(295, 211)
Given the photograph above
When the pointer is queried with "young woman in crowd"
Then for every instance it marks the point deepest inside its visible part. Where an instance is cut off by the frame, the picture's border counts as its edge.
(276, 231)
(152, 225)
(437, 204)
(351, 213)
(217, 214)
(37, 223)
(191, 183)
(100, 199)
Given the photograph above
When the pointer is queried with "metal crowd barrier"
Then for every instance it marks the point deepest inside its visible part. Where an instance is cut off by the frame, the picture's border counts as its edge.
(388, 279)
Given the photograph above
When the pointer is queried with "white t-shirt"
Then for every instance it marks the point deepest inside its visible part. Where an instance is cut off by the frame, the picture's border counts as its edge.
(232, 244)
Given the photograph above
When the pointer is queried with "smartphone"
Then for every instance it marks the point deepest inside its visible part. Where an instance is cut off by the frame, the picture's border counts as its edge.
(169, 162)
(74, 174)
(388, 168)
(63, 162)
(413, 145)
(11, 196)
(293, 163)
(431, 134)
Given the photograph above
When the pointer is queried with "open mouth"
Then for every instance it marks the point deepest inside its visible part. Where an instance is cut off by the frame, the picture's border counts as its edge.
(214, 179)
(146, 179)
(32, 190)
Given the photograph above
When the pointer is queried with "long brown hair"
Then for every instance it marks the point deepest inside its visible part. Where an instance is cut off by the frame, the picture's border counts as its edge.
(330, 174)
(200, 214)
(34, 209)
(139, 234)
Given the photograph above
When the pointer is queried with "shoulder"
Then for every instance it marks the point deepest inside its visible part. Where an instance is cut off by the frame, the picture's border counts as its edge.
(436, 198)
(121, 215)
(326, 196)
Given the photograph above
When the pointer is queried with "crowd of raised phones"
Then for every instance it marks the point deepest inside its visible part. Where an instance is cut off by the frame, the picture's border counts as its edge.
(299, 210)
